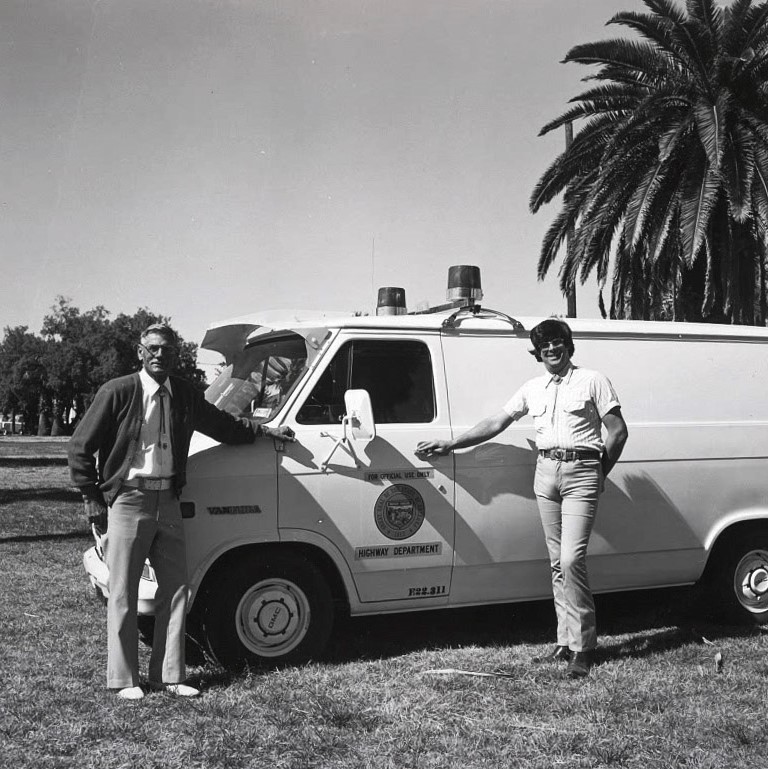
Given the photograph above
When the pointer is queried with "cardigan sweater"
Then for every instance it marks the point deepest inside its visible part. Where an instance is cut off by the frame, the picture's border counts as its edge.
(111, 426)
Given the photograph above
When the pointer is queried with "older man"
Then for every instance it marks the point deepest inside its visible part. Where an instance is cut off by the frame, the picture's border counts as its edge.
(568, 405)
(140, 426)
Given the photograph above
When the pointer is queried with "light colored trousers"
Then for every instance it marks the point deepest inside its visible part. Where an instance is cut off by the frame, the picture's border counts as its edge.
(145, 524)
(567, 494)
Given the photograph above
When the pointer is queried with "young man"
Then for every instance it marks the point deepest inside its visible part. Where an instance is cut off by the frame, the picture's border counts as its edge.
(568, 405)
(140, 426)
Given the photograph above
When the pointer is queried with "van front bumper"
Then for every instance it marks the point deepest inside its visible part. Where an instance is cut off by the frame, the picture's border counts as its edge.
(98, 575)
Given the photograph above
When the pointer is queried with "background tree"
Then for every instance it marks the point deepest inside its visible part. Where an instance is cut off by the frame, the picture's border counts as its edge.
(79, 357)
(51, 379)
(667, 180)
(23, 375)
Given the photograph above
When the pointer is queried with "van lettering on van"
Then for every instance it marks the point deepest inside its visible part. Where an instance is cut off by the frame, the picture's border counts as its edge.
(431, 548)
(426, 592)
(235, 510)
(398, 551)
(371, 552)
(400, 475)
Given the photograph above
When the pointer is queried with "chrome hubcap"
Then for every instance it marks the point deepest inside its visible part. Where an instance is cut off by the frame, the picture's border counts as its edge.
(272, 617)
(751, 581)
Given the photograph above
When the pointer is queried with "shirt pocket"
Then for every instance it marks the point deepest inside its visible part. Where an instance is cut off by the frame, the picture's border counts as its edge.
(579, 413)
(577, 406)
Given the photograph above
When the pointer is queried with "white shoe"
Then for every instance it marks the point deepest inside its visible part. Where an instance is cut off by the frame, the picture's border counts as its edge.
(131, 693)
(180, 690)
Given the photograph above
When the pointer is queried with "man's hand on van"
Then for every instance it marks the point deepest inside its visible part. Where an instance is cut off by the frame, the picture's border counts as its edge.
(432, 448)
(282, 433)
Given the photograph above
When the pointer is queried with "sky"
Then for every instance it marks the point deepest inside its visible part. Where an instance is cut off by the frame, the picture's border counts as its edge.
(210, 158)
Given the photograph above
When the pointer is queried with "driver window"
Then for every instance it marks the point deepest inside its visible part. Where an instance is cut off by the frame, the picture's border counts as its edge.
(396, 374)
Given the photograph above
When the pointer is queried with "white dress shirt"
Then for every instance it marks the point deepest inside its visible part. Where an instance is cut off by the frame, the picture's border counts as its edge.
(154, 455)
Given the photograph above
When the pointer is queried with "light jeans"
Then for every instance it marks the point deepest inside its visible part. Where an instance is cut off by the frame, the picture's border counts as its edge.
(567, 494)
(145, 524)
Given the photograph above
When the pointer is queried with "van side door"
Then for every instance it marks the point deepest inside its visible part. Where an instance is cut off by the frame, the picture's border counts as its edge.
(388, 511)
(500, 551)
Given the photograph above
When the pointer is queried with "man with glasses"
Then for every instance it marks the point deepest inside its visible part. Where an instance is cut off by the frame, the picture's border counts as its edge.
(569, 406)
(140, 426)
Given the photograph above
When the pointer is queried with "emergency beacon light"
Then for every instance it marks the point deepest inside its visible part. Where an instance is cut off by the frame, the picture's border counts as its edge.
(464, 284)
(391, 301)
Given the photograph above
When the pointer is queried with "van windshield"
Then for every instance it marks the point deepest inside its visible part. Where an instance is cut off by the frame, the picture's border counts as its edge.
(257, 383)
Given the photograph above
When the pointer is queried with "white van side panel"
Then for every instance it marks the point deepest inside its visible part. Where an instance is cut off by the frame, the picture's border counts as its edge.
(697, 452)
(686, 379)
(234, 491)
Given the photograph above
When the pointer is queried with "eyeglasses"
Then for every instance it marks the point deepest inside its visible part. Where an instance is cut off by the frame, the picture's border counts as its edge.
(155, 349)
(553, 343)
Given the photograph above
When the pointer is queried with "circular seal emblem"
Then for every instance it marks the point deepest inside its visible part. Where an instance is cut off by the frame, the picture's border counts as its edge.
(399, 511)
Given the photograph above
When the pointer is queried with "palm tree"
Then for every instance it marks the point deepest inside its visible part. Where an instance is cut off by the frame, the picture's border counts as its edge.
(667, 179)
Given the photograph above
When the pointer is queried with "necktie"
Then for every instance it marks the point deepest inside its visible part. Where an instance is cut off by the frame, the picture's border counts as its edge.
(162, 433)
(556, 380)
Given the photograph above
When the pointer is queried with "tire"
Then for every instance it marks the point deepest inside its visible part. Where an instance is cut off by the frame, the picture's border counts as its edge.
(278, 610)
(738, 581)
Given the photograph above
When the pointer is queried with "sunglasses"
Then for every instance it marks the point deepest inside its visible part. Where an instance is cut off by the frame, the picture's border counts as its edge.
(155, 349)
(553, 343)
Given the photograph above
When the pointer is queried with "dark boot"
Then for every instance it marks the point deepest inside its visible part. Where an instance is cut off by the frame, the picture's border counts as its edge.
(558, 654)
(580, 664)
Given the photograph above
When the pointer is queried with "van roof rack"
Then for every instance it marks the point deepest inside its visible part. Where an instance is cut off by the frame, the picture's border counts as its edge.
(442, 307)
(474, 310)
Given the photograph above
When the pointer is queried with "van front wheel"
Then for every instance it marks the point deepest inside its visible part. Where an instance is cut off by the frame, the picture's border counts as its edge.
(277, 611)
(741, 581)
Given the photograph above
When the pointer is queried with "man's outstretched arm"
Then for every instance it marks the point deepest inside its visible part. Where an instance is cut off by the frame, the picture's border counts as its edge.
(481, 432)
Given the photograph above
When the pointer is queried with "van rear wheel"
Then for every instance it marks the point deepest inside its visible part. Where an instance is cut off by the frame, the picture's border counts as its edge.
(276, 611)
(739, 578)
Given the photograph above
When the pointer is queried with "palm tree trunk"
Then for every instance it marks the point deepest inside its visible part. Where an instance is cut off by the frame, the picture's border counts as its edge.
(761, 319)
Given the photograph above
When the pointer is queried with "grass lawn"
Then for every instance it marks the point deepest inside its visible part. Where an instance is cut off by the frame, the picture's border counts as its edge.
(382, 698)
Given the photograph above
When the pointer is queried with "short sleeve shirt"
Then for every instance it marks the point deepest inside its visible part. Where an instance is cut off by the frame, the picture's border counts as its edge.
(567, 415)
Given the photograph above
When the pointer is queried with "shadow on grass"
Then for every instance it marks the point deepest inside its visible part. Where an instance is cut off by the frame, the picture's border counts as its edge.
(671, 612)
(53, 537)
(701, 632)
(664, 620)
(50, 494)
(31, 461)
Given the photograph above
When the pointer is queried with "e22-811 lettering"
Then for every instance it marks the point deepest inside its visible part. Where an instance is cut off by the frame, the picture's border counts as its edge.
(421, 592)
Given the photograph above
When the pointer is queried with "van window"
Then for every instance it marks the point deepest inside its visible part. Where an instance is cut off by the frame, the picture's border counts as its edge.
(396, 374)
(257, 383)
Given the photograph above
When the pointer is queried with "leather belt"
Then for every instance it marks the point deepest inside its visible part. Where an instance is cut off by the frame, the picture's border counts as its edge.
(568, 455)
(149, 484)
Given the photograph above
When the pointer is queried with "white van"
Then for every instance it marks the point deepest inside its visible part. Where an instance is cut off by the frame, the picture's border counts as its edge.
(283, 537)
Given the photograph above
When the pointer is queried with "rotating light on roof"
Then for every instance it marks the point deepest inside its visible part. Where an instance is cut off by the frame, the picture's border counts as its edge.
(464, 284)
(391, 301)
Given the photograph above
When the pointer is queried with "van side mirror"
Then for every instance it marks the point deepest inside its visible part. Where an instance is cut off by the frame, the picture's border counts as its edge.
(356, 425)
(360, 415)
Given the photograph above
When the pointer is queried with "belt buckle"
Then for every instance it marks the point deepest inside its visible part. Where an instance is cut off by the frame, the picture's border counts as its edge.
(559, 454)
